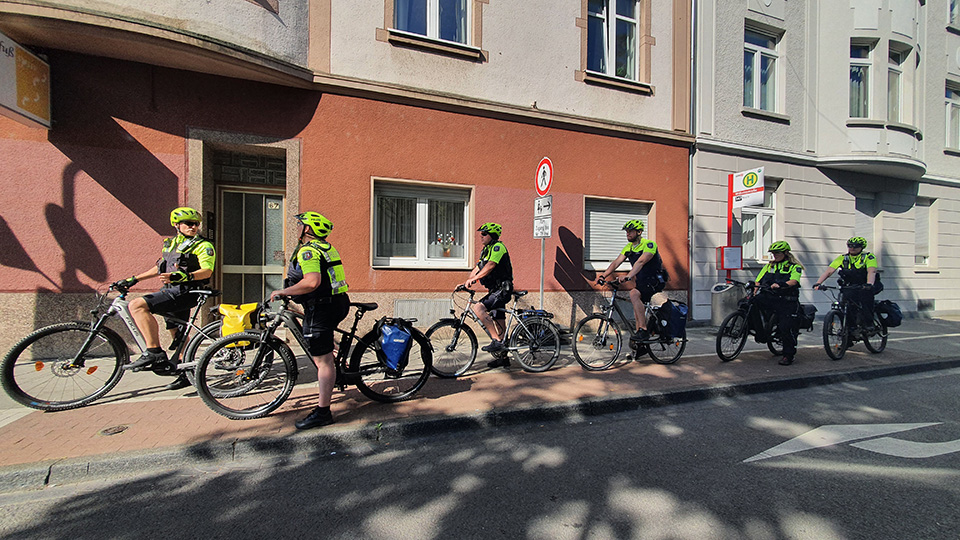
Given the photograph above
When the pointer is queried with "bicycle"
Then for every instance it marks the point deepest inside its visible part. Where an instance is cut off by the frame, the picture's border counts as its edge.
(71, 364)
(534, 340)
(838, 332)
(597, 339)
(249, 374)
(737, 326)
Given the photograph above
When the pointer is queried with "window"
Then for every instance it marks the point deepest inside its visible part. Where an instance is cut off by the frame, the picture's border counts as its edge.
(438, 19)
(923, 231)
(759, 70)
(612, 38)
(603, 229)
(758, 227)
(954, 12)
(860, 81)
(953, 116)
(419, 225)
(894, 85)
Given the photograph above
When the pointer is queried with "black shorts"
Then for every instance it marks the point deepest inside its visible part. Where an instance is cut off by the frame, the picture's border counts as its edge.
(647, 287)
(172, 302)
(320, 320)
(495, 301)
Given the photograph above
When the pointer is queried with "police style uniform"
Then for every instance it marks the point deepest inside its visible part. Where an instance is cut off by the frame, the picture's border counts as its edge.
(647, 279)
(328, 304)
(499, 282)
(186, 254)
(853, 271)
(783, 303)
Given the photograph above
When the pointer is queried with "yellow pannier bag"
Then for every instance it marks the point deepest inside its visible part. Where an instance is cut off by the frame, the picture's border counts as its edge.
(237, 319)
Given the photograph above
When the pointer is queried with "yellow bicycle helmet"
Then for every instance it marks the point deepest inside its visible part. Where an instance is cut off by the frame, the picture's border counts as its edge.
(320, 225)
(857, 241)
(779, 246)
(634, 225)
(491, 228)
(184, 213)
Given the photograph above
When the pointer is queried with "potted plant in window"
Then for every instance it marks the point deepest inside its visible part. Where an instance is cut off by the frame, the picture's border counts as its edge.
(446, 242)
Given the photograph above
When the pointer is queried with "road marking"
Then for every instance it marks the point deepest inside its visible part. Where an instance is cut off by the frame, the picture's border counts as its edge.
(908, 449)
(833, 434)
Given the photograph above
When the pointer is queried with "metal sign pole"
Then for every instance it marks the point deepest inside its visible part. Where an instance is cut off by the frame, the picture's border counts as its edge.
(543, 242)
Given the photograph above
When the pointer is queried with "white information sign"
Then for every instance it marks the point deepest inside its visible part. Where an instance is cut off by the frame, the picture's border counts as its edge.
(543, 206)
(747, 189)
(542, 227)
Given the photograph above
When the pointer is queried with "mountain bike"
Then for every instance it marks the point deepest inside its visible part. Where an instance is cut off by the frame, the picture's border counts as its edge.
(840, 333)
(597, 339)
(534, 340)
(249, 374)
(749, 319)
(71, 364)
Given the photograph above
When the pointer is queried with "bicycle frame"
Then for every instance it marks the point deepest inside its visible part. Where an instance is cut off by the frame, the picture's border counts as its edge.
(514, 318)
(841, 303)
(612, 306)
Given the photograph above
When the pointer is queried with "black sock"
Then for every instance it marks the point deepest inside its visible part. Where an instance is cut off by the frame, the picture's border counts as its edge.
(154, 349)
(324, 410)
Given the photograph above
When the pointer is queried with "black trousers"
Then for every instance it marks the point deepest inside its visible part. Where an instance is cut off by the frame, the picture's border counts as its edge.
(785, 309)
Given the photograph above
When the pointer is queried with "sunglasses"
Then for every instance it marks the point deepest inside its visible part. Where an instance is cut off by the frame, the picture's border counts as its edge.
(190, 223)
(484, 233)
(852, 246)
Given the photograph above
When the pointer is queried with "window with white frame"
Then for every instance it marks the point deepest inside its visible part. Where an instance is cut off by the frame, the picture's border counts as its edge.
(758, 226)
(860, 59)
(953, 116)
(612, 38)
(760, 58)
(895, 85)
(604, 236)
(438, 19)
(924, 231)
(419, 225)
(954, 12)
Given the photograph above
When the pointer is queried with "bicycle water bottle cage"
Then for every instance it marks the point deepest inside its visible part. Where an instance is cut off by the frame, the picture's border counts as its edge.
(237, 318)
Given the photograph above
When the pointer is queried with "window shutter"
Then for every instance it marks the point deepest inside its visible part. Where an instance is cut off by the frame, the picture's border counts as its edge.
(604, 227)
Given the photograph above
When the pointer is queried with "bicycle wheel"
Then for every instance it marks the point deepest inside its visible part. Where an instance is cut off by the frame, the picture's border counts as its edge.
(455, 348)
(834, 334)
(875, 339)
(379, 383)
(39, 371)
(596, 342)
(535, 344)
(198, 344)
(243, 376)
(667, 351)
(774, 344)
(732, 336)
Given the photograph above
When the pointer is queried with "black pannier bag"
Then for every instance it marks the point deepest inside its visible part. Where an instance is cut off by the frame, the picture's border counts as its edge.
(889, 313)
(807, 314)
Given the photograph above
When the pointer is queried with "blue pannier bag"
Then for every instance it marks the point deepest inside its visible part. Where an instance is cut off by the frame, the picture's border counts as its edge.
(393, 347)
(889, 313)
(675, 315)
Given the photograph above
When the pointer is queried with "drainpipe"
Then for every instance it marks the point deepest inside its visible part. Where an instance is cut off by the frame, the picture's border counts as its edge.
(693, 150)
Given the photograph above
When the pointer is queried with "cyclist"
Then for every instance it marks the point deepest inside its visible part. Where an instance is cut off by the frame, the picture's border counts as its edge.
(187, 261)
(782, 276)
(494, 272)
(857, 267)
(645, 277)
(316, 280)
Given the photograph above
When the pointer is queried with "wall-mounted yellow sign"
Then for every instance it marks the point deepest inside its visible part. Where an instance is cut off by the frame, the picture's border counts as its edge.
(24, 85)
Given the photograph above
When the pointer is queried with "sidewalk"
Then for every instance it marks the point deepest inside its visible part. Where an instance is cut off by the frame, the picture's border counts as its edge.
(156, 428)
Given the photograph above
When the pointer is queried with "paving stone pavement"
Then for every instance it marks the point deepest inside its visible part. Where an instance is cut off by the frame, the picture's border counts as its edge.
(157, 428)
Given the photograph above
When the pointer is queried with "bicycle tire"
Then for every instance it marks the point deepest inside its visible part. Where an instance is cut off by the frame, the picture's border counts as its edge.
(877, 342)
(36, 371)
(456, 348)
(594, 339)
(535, 344)
(774, 343)
(834, 334)
(232, 383)
(732, 336)
(379, 383)
(196, 345)
(665, 351)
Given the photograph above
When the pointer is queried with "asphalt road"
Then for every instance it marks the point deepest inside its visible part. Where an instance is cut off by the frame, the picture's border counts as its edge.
(725, 469)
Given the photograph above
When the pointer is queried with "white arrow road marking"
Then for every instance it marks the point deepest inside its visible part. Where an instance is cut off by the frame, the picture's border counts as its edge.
(833, 434)
(908, 449)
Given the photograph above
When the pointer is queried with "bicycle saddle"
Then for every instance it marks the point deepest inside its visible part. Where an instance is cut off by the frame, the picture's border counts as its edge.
(365, 306)
(518, 294)
(205, 292)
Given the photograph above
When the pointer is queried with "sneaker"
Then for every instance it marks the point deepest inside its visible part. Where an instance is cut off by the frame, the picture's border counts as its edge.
(786, 361)
(494, 346)
(178, 383)
(316, 418)
(640, 335)
(499, 362)
(145, 360)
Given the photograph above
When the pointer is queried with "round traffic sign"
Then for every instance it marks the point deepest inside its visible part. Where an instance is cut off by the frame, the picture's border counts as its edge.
(544, 176)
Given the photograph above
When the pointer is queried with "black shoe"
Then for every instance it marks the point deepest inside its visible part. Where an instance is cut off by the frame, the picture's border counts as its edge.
(640, 335)
(178, 383)
(316, 418)
(786, 361)
(494, 346)
(499, 362)
(145, 360)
